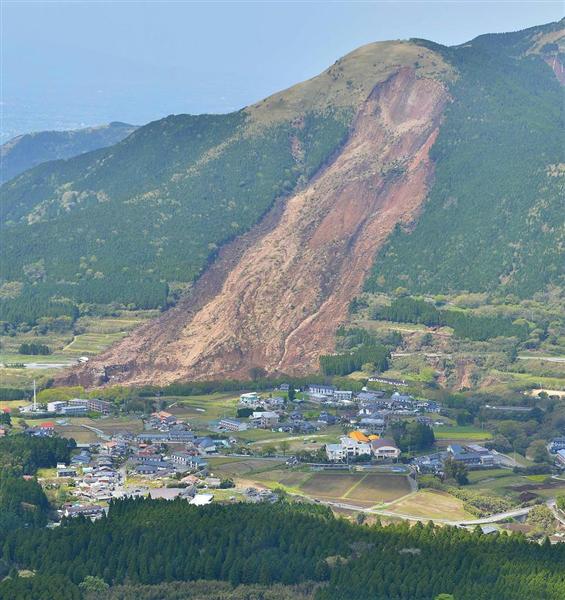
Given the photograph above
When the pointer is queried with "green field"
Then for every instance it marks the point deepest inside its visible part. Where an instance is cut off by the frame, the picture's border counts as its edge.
(96, 334)
(461, 433)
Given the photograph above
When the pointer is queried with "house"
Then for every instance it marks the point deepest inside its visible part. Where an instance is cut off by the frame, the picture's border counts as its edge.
(206, 445)
(321, 389)
(232, 425)
(327, 419)
(343, 396)
(335, 452)
(372, 424)
(556, 444)
(186, 460)
(265, 419)
(165, 418)
(347, 448)
(384, 449)
(560, 458)
(77, 510)
(83, 458)
(276, 402)
(250, 399)
(358, 436)
(64, 471)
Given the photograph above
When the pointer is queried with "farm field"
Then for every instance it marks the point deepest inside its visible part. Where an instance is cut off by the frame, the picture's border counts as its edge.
(430, 504)
(383, 488)
(96, 334)
(461, 433)
(73, 427)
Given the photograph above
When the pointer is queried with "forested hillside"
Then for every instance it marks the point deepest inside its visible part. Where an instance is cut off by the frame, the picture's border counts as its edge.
(119, 224)
(163, 541)
(494, 217)
(31, 149)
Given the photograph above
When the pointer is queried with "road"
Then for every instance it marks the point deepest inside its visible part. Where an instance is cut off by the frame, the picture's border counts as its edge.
(518, 512)
(556, 359)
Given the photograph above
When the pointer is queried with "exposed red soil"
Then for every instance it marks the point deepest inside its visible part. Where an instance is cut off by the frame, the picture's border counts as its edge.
(275, 297)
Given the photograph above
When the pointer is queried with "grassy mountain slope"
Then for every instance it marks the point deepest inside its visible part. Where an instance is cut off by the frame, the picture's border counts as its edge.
(27, 151)
(122, 223)
(498, 193)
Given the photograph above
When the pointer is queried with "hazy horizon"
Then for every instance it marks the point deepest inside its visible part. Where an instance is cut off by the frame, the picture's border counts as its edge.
(67, 65)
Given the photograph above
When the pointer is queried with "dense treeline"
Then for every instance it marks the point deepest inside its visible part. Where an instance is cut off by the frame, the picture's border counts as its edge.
(33, 304)
(23, 503)
(24, 454)
(412, 436)
(158, 541)
(34, 349)
(490, 219)
(12, 393)
(464, 324)
(343, 364)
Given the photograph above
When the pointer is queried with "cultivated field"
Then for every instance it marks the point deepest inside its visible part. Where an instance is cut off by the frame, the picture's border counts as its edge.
(430, 504)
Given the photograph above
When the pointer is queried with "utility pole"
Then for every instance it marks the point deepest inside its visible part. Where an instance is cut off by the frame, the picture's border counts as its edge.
(34, 397)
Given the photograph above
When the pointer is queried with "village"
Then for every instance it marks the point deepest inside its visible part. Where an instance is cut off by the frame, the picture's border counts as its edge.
(317, 444)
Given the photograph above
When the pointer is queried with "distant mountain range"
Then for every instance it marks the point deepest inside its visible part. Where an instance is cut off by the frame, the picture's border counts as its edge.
(406, 164)
(26, 151)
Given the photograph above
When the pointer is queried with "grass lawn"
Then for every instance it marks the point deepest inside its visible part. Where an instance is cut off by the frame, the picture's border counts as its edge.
(431, 504)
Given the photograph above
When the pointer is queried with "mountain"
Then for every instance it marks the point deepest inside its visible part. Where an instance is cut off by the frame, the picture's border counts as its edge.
(25, 151)
(405, 164)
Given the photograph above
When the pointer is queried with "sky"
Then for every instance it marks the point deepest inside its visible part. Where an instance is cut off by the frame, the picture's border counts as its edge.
(77, 63)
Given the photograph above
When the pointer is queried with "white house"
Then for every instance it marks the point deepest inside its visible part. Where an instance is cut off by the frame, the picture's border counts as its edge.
(250, 399)
(384, 449)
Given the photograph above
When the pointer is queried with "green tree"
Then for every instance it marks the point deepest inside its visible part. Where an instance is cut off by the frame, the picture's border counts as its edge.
(455, 470)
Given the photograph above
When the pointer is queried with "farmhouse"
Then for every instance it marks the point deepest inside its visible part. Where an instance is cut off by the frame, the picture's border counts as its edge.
(383, 449)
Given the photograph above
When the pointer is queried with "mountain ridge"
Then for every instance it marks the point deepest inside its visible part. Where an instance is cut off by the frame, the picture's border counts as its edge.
(254, 207)
(28, 150)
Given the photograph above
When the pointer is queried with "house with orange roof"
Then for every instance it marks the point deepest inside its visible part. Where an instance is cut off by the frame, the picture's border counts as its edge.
(358, 436)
